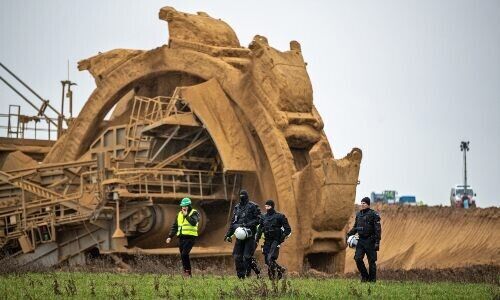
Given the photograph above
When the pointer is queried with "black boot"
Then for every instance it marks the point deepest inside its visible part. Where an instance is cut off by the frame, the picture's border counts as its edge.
(280, 272)
(255, 267)
(271, 272)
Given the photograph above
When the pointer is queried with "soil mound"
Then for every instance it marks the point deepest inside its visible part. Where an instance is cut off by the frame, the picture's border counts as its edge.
(436, 238)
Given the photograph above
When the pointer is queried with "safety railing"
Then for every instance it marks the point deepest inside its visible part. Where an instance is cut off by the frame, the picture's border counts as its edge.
(19, 126)
(174, 183)
(146, 111)
(38, 208)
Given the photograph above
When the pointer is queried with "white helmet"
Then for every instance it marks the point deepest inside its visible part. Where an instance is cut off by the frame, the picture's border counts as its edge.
(242, 233)
(352, 241)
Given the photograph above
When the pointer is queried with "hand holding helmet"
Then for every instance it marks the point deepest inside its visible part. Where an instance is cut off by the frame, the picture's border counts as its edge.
(352, 241)
(242, 233)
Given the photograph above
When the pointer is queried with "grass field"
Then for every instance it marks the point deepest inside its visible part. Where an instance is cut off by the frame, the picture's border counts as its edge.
(60, 285)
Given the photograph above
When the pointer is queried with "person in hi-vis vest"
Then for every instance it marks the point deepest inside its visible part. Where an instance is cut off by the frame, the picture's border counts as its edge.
(186, 228)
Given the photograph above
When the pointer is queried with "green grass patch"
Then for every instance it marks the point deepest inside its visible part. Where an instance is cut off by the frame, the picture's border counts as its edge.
(65, 285)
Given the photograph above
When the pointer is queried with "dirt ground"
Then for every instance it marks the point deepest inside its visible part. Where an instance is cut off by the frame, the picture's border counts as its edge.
(472, 274)
(224, 267)
(435, 238)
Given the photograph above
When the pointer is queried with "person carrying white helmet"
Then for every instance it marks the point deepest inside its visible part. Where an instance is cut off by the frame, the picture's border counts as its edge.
(246, 216)
(369, 230)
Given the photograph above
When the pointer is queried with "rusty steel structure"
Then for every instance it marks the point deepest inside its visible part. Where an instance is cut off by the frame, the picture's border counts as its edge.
(198, 117)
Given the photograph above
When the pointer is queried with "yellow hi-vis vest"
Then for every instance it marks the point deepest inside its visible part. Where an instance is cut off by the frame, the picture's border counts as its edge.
(184, 227)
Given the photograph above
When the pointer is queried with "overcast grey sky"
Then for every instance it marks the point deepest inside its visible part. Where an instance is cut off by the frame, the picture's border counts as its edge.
(405, 81)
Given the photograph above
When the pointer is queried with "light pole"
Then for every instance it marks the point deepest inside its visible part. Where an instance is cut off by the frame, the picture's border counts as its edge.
(464, 147)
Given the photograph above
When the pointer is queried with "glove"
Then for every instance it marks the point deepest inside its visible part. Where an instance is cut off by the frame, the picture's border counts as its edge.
(228, 239)
(377, 246)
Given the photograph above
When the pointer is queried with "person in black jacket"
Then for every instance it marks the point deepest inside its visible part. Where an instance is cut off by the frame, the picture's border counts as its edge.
(185, 227)
(369, 230)
(276, 229)
(246, 214)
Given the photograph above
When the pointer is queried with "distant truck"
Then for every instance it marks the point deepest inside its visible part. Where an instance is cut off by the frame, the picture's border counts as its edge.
(464, 198)
(407, 200)
(386, 197)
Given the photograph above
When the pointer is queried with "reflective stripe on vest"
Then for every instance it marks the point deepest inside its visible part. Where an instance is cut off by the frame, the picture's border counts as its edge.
(183, 226)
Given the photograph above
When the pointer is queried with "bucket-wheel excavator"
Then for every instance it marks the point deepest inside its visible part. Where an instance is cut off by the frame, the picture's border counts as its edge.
(198, 117)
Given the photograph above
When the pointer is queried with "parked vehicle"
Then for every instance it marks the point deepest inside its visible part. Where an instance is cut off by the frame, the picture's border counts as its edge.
(460, 197)
(386, 197)
(407, 200)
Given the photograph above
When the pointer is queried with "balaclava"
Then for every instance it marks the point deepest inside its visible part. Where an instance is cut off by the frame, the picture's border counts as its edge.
(243, 197)
(270, 203)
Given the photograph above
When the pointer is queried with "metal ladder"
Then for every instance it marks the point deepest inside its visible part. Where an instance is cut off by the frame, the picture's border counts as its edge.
(146, 111)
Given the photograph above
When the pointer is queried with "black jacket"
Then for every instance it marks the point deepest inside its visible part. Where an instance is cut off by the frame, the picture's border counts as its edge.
(193, 220)
(274, 225)
(245, 214)
(367, 225)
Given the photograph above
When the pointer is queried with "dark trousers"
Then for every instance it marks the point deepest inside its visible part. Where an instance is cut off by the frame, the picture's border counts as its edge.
(253, 263)
(242, 252)
(271, 252)
(366, 246)
(186, 243)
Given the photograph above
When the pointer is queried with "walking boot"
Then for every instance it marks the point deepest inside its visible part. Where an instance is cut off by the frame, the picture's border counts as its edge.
(255, 267)
(271, 272)
(281, 272)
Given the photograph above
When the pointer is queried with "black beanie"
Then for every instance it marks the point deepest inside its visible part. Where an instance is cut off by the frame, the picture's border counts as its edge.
(366, 200)
(244, 194)
(270, 203)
